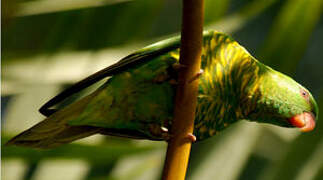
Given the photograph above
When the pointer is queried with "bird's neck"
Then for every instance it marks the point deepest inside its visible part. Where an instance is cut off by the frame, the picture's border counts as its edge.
(226, 88)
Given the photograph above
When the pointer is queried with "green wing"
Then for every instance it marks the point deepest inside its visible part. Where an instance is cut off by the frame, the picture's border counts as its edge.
(127, 62)
(141, 56)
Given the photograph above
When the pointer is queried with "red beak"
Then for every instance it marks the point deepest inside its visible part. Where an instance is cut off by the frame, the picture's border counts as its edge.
(304, 121)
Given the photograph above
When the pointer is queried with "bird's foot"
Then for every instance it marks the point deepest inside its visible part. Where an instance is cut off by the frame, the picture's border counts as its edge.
(164, 129)
(165, 134)
(177, 66)
(196, 76)
(191, 137)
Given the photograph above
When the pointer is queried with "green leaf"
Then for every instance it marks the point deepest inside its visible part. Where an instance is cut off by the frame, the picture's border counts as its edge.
(237, 20)
(224, 155)
(96, 154)
(290, 33)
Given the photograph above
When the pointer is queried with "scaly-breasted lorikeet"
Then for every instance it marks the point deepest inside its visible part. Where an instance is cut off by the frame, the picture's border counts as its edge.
(138, 100)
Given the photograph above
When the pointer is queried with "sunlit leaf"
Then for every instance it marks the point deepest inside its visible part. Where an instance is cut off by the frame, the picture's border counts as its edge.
(50, 6)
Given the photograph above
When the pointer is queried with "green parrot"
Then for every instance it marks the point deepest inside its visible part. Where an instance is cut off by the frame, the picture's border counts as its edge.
(137, 101)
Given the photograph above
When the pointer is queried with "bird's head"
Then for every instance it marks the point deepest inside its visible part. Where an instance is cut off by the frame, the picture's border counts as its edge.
(282, 101)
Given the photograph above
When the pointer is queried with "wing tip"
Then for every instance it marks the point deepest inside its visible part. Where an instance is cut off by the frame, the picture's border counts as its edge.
(17, 141)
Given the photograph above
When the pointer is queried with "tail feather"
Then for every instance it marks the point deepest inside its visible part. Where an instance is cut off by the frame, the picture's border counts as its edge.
(67, 135)
(54, 130)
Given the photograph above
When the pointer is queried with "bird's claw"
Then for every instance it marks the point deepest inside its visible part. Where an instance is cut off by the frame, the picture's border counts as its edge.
(191, 137)
(196, 76)
(164, 129)
(178, 66)
(167, 136)
(165, 133)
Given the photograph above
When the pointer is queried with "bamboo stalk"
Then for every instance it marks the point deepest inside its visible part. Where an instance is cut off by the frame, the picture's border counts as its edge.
(179, 146)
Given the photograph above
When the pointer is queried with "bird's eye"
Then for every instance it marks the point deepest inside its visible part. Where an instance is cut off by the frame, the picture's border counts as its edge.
(305, 94)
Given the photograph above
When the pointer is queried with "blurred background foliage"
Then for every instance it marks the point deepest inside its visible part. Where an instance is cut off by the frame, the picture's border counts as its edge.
(50, 44)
